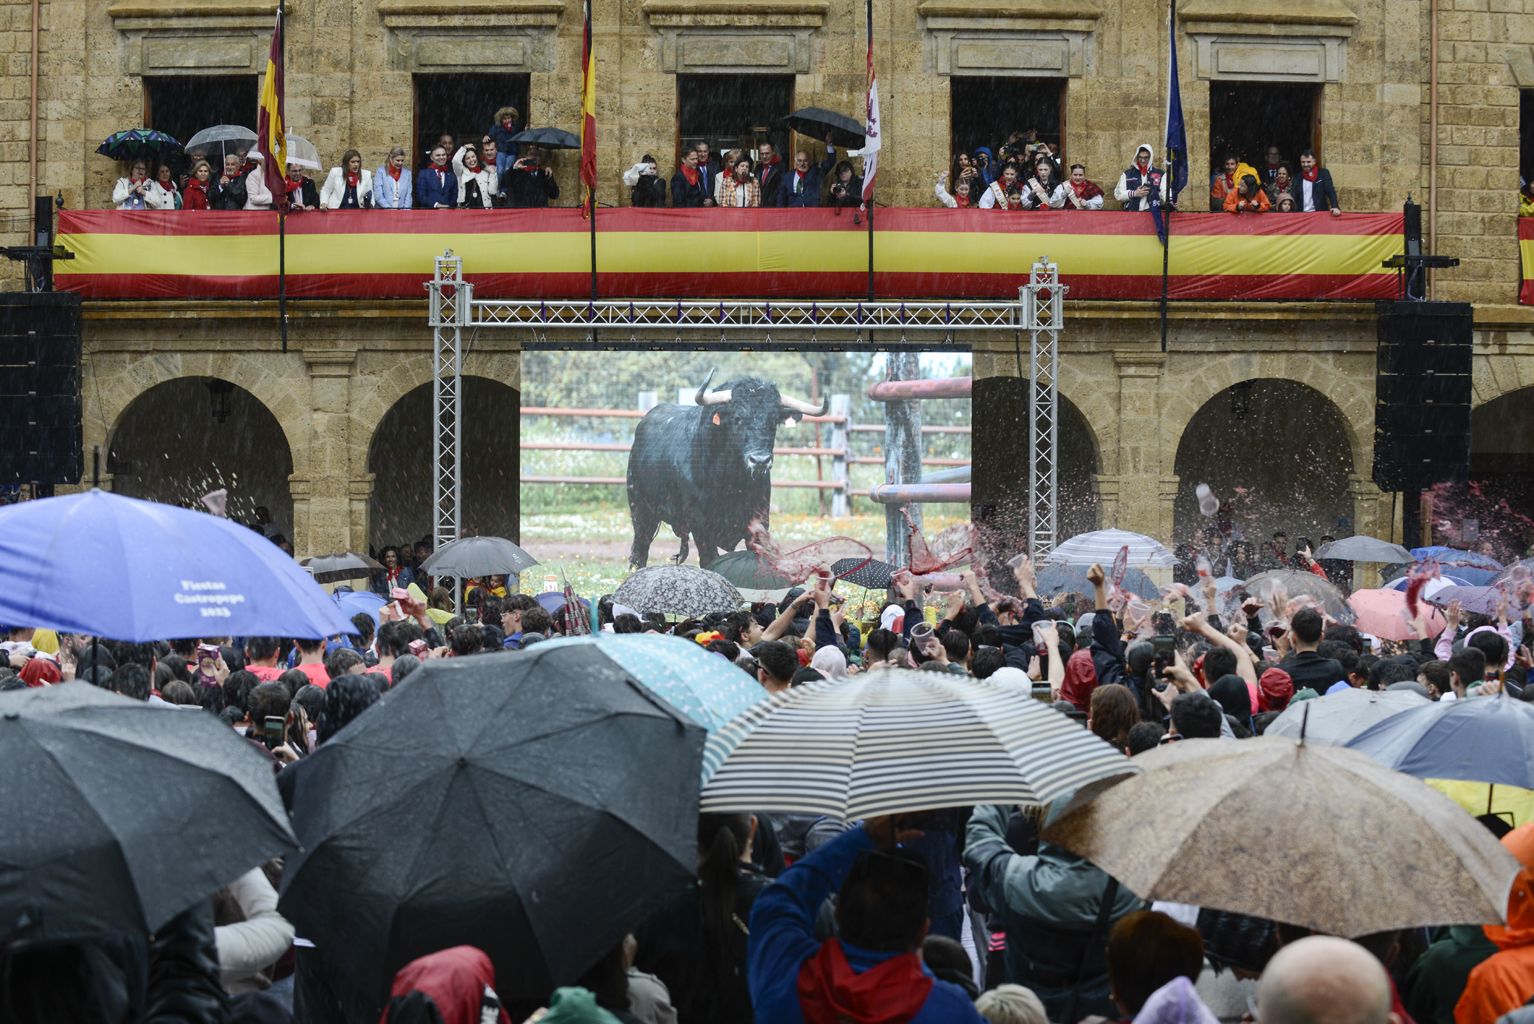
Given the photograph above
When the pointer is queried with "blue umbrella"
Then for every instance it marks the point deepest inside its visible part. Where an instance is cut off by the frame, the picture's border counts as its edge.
(1432, 587)
(365, 601)
(1485, 739)
(698, 683)
(1456, 557)
(134, 570)
(1481, 600)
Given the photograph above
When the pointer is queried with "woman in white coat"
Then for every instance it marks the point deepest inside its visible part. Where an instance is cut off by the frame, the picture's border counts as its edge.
(476, 183)
(137, 191)
(348, 187)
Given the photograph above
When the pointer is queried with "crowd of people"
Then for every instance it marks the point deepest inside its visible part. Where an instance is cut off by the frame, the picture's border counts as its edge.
(816, 919)
(496, 172)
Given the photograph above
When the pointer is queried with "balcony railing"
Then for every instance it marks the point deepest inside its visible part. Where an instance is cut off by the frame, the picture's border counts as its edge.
(716, 254)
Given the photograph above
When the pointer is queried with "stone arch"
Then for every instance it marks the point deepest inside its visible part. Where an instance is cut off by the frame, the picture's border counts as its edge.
(1501, 473)
(184, 437)
(1352, 394)
(1287, 445)
(114, 381)
(399, 460)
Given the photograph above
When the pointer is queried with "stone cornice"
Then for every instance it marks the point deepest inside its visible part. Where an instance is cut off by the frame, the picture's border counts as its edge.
(1304, 17)
(200, 15)
(430, 13)
(736, 13)
(1029, 12)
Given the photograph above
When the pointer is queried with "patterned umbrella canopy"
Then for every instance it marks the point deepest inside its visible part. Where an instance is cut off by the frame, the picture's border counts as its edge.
(697, 682)
(137, 142)
(869, 574)
(1103, 546)
(895, 740)
(678, 590)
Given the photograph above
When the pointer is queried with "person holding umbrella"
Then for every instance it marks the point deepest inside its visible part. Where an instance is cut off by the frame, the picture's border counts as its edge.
(531, 183)
(134, 191)
(302, 194)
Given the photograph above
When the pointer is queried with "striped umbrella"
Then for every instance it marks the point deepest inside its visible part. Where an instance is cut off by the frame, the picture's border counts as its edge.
(1103, 546)
(895, 740)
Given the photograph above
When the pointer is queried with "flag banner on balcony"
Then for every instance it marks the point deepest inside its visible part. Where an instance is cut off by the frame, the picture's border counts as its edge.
(1526, 259)
(719, 254)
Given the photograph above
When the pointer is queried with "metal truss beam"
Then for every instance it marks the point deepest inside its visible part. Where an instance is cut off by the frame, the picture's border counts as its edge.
(1043, 309)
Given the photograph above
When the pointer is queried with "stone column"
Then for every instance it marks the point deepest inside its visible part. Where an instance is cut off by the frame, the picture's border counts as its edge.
(325, 522)
(361, 494)
(1142, 502)
(1107, 490)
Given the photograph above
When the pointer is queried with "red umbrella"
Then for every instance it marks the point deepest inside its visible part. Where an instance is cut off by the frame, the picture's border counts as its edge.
(1382, 613)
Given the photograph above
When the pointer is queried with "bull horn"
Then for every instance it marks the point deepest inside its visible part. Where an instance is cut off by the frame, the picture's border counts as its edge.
(707, 397)
(801, 406)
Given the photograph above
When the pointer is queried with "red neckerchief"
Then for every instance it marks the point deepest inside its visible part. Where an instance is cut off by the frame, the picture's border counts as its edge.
(294, 184)
(1311, 175)
(353, 180)
(961, 201)
(692, 174)
(831, 992)
(198, 185)
(1282, 186)
(393, 172)
(1230, 181)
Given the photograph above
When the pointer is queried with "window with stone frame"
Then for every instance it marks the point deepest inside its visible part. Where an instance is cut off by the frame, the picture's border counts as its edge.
(990, 110)
(463, 106)
(183, 105)
(733, 111)
(1245, 118)
(1526, 134)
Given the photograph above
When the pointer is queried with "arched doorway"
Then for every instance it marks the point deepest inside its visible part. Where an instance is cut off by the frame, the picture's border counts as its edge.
(1495, 504)
(400, 459)
(186, 437)
(1276, 453)
(1001, 461)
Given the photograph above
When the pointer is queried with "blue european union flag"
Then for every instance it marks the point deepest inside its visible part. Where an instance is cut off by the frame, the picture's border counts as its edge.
(1176, 130)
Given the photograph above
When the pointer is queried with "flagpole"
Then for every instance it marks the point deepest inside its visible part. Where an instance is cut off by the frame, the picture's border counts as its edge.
(591, 192)
(1166, 247)
(282, 207)
(869, 10)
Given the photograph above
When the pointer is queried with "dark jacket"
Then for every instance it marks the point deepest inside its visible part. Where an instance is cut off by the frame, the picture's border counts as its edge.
(809, 191)
(1307, 668)
(226, 197)
(770, 178)
(707, 980)
(1322, 193)
(308, 193)
(428, 193)
(530, 189)
(685, 194)
(380, 582)
(650, 191)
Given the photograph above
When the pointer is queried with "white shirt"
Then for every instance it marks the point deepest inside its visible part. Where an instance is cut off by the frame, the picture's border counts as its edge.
(1307, 198)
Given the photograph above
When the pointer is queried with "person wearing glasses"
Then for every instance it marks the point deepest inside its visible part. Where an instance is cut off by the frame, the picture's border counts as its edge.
(873, 968)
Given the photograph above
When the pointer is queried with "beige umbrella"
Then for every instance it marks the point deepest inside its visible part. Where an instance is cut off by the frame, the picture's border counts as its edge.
(1317, 836)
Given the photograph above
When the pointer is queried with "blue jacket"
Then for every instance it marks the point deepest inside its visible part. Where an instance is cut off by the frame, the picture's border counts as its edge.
(783, 938)
(428, 193)
(389, 194)
(814, 180)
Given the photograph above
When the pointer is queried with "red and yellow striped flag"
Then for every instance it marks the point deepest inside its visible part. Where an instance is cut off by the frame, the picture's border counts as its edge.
(588, 119)
(271, 133)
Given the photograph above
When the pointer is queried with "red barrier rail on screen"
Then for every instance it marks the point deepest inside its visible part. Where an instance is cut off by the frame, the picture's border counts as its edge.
(717, 254)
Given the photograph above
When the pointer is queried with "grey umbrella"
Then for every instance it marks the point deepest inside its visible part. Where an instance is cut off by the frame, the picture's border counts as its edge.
(347, 565)
(678, 590)
(478, 556)
(119, 815)
(1488, 739)
(1336, 719)
(1364, 549)
(752, 576)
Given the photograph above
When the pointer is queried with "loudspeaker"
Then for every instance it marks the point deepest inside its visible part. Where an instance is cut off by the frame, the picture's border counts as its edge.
(1422, 391)
(40, 430)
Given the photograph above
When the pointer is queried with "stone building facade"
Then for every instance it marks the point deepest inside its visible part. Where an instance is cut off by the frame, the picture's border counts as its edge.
(353, 67)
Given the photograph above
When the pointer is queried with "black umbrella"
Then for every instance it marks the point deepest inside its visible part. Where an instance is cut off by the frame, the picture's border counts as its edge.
(348, 565)
(816, 123)
(537, 805)
(118, 815)
(548, 138)
(872, 574)
(478, 556)
(133, 143)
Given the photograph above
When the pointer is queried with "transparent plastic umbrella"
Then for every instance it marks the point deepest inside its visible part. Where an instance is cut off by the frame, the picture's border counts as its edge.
(301, 153)
(221, 138)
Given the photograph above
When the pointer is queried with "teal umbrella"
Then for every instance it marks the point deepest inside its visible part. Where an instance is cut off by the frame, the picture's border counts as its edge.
(754, 578)
(697, 682)
(136, 142)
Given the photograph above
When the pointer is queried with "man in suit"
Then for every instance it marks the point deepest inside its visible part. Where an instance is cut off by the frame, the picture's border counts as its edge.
(708, 165)
(436, 188)
(1314, 190)
(769, 173)
(801, 185)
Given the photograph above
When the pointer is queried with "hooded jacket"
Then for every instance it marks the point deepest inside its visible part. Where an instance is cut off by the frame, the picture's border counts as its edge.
(1503, 981)
(1131, 179)
(794, 977)
(457, 983)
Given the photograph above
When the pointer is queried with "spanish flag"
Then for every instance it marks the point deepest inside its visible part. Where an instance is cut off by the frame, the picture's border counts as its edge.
(588, 119)
(271, 133)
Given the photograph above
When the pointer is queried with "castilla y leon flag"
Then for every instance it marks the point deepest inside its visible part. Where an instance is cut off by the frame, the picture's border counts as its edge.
(588, 119)
(871, 140)
(271, 133)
